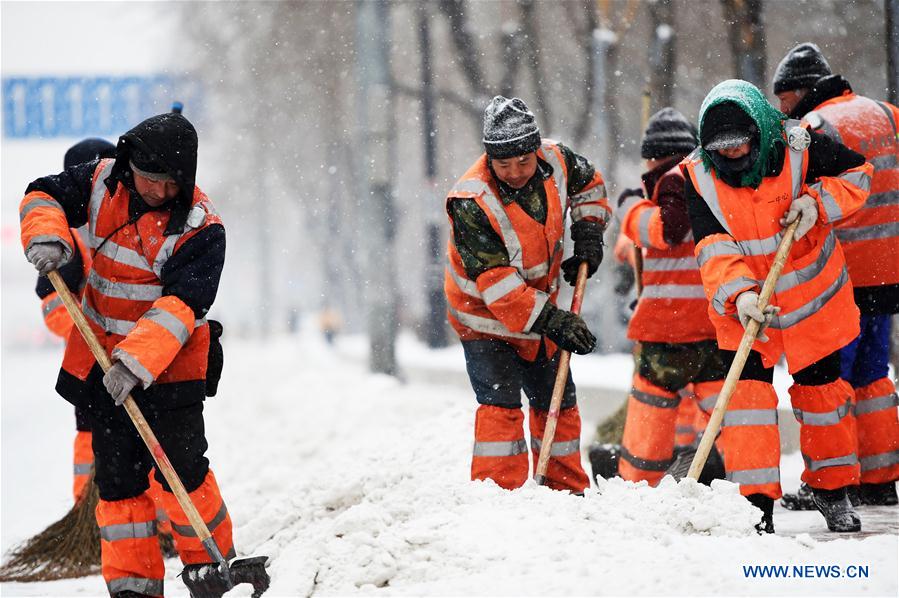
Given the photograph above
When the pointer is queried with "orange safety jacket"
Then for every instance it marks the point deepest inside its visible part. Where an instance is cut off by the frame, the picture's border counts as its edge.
(56, 317)
(673, 307)
(504, 302)
(870, 236)
(818, 313)
(157, 336)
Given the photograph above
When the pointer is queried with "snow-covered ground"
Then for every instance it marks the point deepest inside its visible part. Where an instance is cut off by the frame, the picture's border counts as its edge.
(358, 484)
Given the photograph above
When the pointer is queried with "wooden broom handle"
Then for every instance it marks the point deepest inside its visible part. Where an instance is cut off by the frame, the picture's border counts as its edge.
(143, 428)
(736, 368)
(552, 417)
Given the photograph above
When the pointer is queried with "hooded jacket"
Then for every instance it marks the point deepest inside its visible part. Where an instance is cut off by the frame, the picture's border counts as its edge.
(155, 271)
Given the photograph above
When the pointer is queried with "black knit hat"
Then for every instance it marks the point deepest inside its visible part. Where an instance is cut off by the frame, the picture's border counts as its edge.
(726, 125)
(88, 150)
(800, 68)
(668, 133)
(509, 129)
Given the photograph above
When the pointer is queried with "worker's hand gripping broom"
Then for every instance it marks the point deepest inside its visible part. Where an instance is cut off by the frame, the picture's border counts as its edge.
(203, 581)
(736, 368)
(552, 418)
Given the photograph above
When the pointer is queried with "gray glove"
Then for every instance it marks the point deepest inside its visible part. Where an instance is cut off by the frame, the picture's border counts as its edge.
(748, 309)
(805, 208)
(119, 381)
(46, 257)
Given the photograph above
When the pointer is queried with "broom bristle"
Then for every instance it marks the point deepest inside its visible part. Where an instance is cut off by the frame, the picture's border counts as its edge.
(611, 429)
(68, 548)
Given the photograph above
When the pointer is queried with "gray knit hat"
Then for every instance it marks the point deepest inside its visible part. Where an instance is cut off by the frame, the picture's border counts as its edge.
(509, 129)
(800, 68)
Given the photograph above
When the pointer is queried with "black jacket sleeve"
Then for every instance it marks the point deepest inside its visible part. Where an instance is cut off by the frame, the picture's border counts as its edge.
(702, 220)
(71, 188)
(580, 170)
(827, 157)
(193, 272)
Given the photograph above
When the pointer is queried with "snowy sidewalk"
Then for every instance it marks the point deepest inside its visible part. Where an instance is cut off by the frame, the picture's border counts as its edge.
(358, 484)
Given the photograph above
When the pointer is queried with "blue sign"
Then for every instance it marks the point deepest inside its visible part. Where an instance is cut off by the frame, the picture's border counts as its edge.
(41, 107)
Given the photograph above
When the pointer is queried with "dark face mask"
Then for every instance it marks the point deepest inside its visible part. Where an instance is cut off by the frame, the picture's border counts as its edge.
(732, 167)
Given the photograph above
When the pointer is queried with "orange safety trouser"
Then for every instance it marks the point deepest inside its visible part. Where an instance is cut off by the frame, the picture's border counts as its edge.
(878, 431)
(827, 434)
(129, 546)
(500, 452)
(155, 491)
(647, 446)
(706, 397)
(208, 500)
(685, 425)
(750, 440)
(564, 470)
(82, 462)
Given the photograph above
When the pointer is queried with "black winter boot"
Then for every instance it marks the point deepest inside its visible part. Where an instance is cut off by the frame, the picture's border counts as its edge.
(878, 494)
(837, 510)
(604, 460)
(801, 501)
(766, 505)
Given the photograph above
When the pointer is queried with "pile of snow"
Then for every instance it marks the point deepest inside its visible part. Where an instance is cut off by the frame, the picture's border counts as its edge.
(355, 483)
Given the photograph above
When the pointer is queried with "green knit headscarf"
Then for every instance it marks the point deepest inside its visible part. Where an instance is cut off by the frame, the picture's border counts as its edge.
(753, 102)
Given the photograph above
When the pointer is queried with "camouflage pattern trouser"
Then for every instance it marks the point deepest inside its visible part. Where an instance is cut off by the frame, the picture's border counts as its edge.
(674, 366)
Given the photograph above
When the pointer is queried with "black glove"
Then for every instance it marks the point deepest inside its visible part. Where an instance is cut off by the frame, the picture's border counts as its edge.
(587, 237)
(566, 329)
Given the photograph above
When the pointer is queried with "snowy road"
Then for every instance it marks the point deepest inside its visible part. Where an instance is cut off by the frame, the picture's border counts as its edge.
(358, 484)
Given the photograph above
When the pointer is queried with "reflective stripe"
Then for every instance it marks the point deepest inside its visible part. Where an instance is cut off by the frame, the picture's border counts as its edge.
(760, 246)
(468, 287)
(510, 237)
(124, 290)
(655, 400)
(828, 418)
(124, 255)
(594, 194)
(540, 300)
(673, 291)
(889, 114)
(707, 190)
(97, 193)
(39, 202)
(538, 271)
(873, 404)
(858, 178)
(643, 228)
(126, 531)
(508, 448)
(882, 460)
(82, 468)
(669, 264)
(164, 253)
(885, 162)
(782, 321)
(503, 287)
(168, 321)
(683, 429)
(866, 233)
(51, 305)
(716, 249)
(813, 465)
(751, 477)
(490, 326)
(188, 532)
(708, 403)
(624, 208)
(882, 200)
(581, 212)
(796, 277)
(559, 175)
(750, 417)
(469, 187)
(818, 123)
(831, 207)
(558, 449)
(729, 288)
(645, 464)
(120, 327)
(134, 365)
(141, 585)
